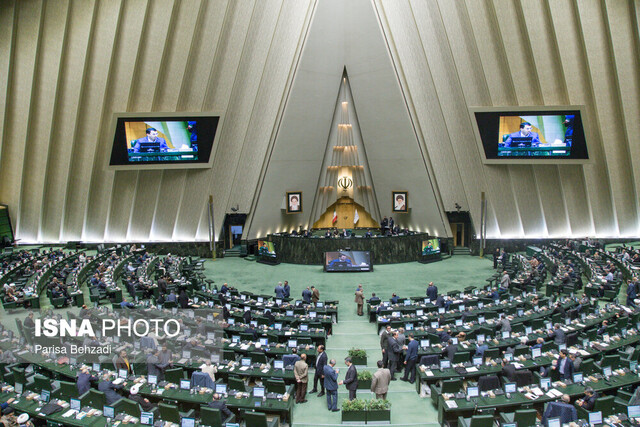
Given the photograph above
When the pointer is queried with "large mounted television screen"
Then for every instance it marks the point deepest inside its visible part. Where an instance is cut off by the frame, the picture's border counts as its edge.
(158, 141)
(266, 249)
(532, 136)
(431, 246)
(347, 261)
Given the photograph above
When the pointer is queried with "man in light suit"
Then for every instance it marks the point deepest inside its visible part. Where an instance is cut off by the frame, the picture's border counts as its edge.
(350, 379)
(331, 385)
(525, 131)
(380, 381)
(359, 300)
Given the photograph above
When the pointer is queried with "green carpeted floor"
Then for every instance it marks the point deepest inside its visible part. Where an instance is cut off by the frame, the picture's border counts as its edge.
(409, 279)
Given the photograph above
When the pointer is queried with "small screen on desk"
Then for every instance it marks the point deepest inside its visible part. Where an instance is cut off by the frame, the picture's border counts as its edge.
(595, 417)
(108, 411)
(146, 418)
(633, 411)
(221, 388)
(188, 422)
(472, 391)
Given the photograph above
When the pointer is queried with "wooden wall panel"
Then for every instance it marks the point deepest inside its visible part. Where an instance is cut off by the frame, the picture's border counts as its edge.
(27, 33)
(72, 76)
(67, 66)
(44, 96)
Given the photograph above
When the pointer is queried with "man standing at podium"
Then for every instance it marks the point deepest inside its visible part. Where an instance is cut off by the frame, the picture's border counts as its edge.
(151, 143)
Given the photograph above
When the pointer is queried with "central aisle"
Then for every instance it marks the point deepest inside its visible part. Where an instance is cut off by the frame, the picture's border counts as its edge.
(409, 279)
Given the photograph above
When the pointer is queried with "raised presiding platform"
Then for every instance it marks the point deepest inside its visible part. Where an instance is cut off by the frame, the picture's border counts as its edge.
(384, 250)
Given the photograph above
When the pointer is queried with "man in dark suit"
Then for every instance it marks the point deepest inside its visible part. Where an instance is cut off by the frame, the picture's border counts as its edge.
(331, 385)
(216, 403)
(350, 379)
(306, 295)
(109, 389)
(508, 370)
(410, 360)
(287, 289)
(631, 294)
(558, 335)
(154, 367)
(450, 350)
(564, 366)
(321, 361)
(589, 399)
(432, 292)
(384, 343)
(84, 380)
(394, 350)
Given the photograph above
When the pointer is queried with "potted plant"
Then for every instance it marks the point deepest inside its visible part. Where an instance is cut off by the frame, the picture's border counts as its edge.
(364, 380)
(358, 357)
(378, 411)
(354, 411)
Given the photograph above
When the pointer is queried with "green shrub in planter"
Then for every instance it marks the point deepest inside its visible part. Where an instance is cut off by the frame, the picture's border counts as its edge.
(358, 356)
(354, 410)
(364, 380)
(378, 410)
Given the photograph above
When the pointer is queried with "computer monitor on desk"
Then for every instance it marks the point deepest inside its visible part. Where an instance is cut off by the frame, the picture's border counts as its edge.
(221, 388)
(473, 391)
(595, 418)
(258, 392)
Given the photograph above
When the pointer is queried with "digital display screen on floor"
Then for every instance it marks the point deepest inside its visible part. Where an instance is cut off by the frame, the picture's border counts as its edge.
(431, 246)
(266, 249)
(532, 135)
(347, 261)
(142, 140)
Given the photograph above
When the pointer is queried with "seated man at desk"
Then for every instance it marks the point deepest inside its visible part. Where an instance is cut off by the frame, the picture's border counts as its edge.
(589, 399)
(144, 403)
(109, 389)
(524, 132)
(151, 143)
(342, 261)
(216, 403)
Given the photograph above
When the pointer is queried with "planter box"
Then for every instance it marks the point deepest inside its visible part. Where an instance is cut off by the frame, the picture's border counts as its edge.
(354, 417)
(359, 361)
(382, 416)
(364, 385)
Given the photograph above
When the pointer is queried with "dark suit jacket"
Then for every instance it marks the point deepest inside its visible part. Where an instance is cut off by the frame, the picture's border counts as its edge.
(432, 293)
(321, 361)
(412, 350)
(509, 371)
(394, 349)
(568, 369)
(219, 404)
(450, 351)
(351, 378)
(109, 390)
(330, 378)
(84, 383)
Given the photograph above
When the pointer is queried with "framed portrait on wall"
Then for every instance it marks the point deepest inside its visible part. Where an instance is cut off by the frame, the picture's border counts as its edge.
(294, 202)
(400, 201)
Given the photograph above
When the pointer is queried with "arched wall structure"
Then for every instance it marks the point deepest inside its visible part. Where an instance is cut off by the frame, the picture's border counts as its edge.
(66, 66)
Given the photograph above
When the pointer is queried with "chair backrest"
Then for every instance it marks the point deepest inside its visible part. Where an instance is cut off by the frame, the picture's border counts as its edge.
(255, 419)
(257, 357)
(94, 398)
(174, 375)
(276, 386)
(523, 377)
(461, 357)
(481, 421)
(236, 384)
(451, 386)
(430, 359)
(612, 360)
(19, 376)
(492, 353)
(169, 413)
(210, 416)
(68, 390)
(128, 407)
(588, 367)
(40, 382)
(488, 382)
(604, 404)
(526, 417)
